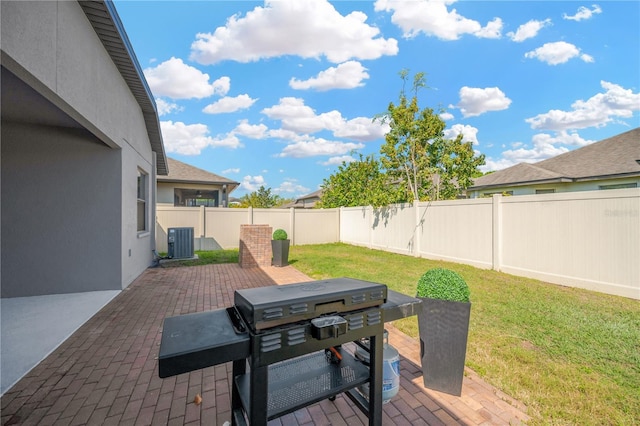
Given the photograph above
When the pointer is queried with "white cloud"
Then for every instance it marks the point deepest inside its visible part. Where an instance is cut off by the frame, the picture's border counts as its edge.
(476, 101)
(253, 131)
(434, 18)
(587, 58)
(229, 104)
(600, 109)
(231, 170)
(557, 52)
(345, 76)
(290, 186)
(177, 80)
(337, 161)
(314, 29)
(561, 138)
(540, 151)
(295, 116)
(544, 146)
(191, 139)
(165, 107)
(361, 129)
(252, 183)
(314, 147)
(446, 116)
(583, 13)
(528, 30)
(470, 133)
(284, 134)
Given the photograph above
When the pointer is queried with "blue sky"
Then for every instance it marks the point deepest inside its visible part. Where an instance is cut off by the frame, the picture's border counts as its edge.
(279, 93)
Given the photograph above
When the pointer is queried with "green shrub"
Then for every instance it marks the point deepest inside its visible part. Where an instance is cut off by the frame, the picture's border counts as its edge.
(444, 284)
(279, 234)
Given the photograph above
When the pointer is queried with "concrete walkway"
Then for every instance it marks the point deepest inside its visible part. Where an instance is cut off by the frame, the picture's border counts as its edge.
(32, 327)
(107, 371)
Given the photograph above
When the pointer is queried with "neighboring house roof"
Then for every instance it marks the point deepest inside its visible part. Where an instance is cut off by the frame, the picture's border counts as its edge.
(182, 172)
(306, 201)
(105, 21)
(615, 157)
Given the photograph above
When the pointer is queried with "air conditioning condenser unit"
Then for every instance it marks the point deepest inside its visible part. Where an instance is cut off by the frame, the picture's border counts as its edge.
(180, 243)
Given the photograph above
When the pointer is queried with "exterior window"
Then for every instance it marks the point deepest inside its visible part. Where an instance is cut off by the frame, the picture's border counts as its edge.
(195, 197)
(545, 191)
(142, 201)
(620, 186)
(490, 194)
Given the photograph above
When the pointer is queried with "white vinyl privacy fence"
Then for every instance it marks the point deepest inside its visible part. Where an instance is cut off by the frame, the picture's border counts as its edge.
(582, 239)
(219, 228)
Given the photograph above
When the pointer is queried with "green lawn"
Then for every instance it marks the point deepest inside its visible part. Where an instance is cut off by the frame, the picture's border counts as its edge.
(572, 356)
(205, 258)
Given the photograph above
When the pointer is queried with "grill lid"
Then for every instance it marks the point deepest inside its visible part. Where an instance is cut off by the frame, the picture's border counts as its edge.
(270, 306)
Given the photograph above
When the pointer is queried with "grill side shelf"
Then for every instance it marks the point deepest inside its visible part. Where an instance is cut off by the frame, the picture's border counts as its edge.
(199, 340)
(301, 381)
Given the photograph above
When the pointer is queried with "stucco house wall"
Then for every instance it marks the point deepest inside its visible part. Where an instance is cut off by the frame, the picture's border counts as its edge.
(58, 236)
(70, 166)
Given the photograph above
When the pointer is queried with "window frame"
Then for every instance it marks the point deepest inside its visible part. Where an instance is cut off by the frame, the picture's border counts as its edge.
(142, 201)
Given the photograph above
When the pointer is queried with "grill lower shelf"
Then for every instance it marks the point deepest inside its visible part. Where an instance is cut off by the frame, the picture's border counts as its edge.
(304, 380)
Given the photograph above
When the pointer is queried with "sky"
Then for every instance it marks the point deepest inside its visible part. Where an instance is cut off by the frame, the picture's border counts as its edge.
(280, 93)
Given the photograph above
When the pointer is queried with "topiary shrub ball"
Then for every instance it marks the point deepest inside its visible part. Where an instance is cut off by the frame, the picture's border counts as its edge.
(444, 284)
(279, 234)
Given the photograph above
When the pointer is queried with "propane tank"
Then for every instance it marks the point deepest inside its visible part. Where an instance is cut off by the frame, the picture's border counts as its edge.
(390, 368)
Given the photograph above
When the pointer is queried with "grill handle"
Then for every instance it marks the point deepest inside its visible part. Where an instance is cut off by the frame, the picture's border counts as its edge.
(328, 327)
(236, 321)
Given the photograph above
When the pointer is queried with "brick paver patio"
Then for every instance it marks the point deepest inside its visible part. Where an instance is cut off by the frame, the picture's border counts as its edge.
(107, 372)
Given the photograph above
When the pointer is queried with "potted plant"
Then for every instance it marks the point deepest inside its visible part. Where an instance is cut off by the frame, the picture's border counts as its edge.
(280, 248)
(444, 326)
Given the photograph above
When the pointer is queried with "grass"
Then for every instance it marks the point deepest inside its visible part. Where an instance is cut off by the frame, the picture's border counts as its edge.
(206, 258)
(571, 355)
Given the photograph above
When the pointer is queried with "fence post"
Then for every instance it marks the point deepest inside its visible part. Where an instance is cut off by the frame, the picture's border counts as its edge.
(370, 210)
(496, 218)
(292, 225)
(340, 212)
(417, 231)
(202, 222)
(250, 215)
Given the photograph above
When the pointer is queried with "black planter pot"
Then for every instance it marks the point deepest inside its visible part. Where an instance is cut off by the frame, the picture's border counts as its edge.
(280, 249)
(444, 327)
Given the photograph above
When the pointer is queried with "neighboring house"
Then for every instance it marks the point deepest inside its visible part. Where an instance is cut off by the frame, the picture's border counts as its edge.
(609, 164)
(306, 201)
(189, 186)
(81, 149)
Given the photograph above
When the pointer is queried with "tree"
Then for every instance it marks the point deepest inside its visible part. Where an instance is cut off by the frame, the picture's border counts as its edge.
(416, 154)
(358, 183)
(262, 198)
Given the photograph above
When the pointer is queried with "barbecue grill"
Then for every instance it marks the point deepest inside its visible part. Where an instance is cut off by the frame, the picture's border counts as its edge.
(285, 343)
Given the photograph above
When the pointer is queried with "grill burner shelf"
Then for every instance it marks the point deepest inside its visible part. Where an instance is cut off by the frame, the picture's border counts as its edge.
(305, 380)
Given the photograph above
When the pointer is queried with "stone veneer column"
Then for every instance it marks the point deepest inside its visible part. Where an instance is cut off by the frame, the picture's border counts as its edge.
(255, 246)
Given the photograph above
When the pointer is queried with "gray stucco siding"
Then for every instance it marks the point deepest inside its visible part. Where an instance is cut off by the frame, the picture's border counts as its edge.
(56, 44)
(32, 24)
(136, 247)
(61, 214)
